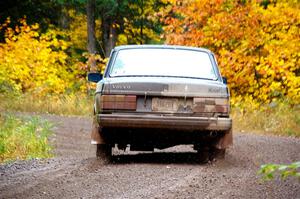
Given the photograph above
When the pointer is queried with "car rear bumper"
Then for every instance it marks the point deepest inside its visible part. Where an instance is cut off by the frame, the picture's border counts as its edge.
(164, 122)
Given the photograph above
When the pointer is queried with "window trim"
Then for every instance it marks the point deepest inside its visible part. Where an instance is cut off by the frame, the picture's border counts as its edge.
(114, 55)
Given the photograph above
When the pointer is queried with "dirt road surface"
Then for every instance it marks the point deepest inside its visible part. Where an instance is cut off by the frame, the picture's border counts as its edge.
(171, 173)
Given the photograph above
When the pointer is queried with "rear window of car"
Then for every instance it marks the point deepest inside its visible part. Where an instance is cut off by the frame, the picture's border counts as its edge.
(163, 62)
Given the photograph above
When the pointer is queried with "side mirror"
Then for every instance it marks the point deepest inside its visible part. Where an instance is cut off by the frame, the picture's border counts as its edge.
(224, 80)
(94, 77)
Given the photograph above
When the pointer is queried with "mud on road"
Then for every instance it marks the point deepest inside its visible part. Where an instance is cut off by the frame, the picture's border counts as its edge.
(171, 173)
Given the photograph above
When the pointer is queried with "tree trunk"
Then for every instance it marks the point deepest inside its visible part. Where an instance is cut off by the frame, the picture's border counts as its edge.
(64, 20)
(91, 38)
(109, 36)
(112, 38)
(142, 22)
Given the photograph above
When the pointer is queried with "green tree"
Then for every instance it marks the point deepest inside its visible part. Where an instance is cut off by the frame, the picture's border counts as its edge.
(36, 11)
(129, 22)
(142, 24)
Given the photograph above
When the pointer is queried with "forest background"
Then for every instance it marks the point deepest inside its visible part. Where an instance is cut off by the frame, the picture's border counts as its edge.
(47, 47)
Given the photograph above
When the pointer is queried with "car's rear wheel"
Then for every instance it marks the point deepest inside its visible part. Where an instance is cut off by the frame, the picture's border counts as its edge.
(104, 152)
(203, 154)
(215, 153)
(206, 154)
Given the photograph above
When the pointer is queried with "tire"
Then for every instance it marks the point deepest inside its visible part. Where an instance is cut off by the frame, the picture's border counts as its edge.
(104, 152)
(215, 153)
(203, 155)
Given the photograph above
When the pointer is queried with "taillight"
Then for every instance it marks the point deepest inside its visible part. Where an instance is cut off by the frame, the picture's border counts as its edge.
(208, 105)
(120, 102)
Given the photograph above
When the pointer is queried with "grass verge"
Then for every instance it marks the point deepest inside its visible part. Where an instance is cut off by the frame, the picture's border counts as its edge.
(24, 138)
(281, 119)
(71, 104)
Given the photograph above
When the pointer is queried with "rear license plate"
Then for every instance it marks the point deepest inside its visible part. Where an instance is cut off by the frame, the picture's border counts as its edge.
(164, 104)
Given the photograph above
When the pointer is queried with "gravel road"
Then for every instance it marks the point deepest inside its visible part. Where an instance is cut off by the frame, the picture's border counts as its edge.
(171, 173)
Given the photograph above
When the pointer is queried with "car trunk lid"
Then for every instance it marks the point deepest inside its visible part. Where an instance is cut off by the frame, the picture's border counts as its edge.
(165, 86)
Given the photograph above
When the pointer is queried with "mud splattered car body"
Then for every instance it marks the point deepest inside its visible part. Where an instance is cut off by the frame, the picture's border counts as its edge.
(154, 96)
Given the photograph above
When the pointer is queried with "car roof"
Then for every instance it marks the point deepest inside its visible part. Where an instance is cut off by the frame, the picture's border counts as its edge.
(161, 46)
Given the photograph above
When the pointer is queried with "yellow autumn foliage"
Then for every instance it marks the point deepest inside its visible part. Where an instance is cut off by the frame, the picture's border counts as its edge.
(35, 62)
(53, 62)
